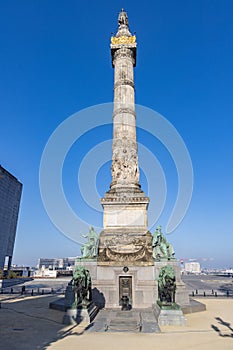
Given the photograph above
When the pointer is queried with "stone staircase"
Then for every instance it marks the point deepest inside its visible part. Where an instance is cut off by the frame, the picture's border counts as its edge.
(124, 321)
(133, 321)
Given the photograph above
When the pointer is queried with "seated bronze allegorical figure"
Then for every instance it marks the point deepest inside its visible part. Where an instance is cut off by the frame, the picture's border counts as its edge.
(161, 248)
(90, 248)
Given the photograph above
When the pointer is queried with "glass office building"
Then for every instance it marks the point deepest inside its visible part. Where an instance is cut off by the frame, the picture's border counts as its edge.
(10, 194)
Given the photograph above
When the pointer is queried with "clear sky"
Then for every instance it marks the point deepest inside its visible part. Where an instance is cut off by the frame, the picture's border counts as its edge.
(55, 61)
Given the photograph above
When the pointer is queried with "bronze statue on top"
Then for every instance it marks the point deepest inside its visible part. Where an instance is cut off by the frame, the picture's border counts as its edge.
(161, 248)
(123, 18)
(90, 248)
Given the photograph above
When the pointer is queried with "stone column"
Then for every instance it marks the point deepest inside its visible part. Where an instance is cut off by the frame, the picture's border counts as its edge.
(125, 237)
(125, 170)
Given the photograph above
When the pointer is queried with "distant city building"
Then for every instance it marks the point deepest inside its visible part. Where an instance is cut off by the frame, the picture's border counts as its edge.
(45, 273)
(54, 267)
(193, 267)
(10, 194)
(56, 263)
(22, 271)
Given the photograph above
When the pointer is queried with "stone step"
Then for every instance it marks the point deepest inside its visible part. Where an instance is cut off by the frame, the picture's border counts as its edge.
(116, 325)
(124, 321)
(132, 321)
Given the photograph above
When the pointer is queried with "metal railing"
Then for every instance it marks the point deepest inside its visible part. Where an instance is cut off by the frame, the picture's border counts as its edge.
(212, 293)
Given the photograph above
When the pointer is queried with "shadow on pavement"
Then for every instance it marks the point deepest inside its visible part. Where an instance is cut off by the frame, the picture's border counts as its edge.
(228, 331)
(65, 333)
(27, 323)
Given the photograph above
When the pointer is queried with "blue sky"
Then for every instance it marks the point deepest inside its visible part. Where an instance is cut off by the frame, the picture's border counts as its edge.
(55, 61)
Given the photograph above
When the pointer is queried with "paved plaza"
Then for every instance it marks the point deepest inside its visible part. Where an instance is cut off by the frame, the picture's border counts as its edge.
(27, 324)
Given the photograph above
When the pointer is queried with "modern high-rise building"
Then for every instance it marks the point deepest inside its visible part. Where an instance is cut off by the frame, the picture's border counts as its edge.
(10, 194)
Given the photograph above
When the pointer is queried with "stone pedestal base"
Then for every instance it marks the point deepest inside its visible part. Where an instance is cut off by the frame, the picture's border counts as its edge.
(144, 281)
(125, 238)
(143, 285)
(169, 317)
(81, 314)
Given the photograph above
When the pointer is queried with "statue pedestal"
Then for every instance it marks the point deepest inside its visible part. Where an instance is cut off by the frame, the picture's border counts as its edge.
(106, 283)
(169, 315)
(80, 314)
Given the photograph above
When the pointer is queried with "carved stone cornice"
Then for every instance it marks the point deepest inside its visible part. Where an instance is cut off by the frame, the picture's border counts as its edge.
(122, 199)
(124, 82)
(123, 110)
